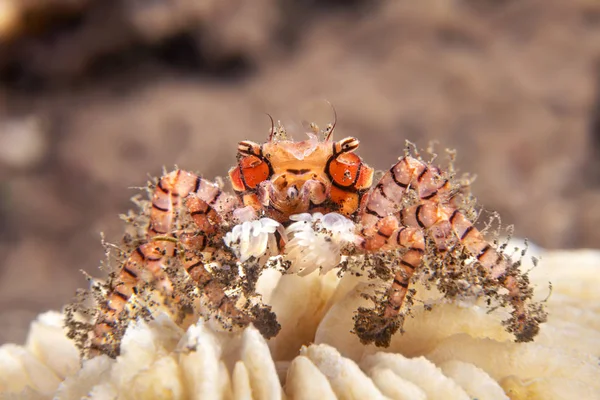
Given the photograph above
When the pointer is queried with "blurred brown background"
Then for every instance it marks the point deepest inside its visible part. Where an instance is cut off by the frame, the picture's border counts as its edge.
(96, 94)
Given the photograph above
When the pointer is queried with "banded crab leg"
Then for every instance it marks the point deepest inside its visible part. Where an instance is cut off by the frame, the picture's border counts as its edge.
(177, 185)
(448, 225)
(146, 261)
(386, 197)
(386, 225)
(411, 239)
(207, 239)
(206, 204)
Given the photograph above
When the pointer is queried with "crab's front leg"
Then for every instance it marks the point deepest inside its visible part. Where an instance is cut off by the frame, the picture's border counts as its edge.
(206, 203)
(195, 256)
(379, 324)
(413, 241)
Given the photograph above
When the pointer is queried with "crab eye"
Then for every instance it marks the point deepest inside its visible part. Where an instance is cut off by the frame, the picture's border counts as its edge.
(346, 145)
(254, 171)
(344, 169)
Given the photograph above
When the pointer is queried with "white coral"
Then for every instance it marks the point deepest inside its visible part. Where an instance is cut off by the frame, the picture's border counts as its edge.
(453, 352)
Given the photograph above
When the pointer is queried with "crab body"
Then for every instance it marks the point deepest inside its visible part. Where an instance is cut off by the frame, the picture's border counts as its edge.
(283, 178)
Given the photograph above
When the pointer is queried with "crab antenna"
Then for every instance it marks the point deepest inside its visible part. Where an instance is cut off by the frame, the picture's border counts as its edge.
(272, 132)
(334, 122)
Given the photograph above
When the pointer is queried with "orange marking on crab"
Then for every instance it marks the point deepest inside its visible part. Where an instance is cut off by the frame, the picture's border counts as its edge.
(344, 170)
(253, 171)
(236, 179)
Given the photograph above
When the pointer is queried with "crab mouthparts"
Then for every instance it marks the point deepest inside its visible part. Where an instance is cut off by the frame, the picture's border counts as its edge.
(292, 193)
(297, 197)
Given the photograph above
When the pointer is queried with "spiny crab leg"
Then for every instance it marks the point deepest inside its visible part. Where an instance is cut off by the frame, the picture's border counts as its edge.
(194, 264)
(387, 225)
(206, 203)
(146, 259)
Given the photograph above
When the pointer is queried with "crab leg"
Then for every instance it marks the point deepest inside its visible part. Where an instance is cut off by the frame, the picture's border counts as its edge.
(205, 202)
(145, 259)
(177, 185)
(411, 239)
(443, 222)
(194, 265)
(500, 268)
(386, 197)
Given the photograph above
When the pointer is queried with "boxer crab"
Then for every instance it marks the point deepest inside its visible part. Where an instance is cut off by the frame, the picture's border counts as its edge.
(300, 206)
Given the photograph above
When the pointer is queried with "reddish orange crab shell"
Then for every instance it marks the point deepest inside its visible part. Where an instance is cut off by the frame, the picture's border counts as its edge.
(249, 173)
(350, 177)
(347, 171)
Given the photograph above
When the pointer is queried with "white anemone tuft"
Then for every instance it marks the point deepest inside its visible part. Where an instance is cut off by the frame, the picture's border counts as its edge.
(315, 241)
(253, 238)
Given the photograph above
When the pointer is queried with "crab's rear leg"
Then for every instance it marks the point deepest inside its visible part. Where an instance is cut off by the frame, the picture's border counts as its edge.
(455, 226)
(524, 323)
